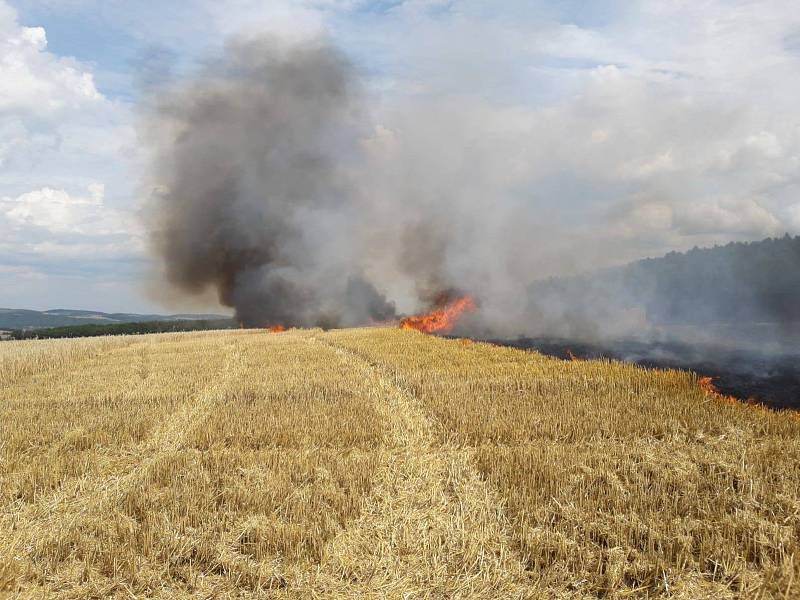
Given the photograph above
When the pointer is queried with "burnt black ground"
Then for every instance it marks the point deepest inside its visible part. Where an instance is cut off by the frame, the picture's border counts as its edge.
(772, 379)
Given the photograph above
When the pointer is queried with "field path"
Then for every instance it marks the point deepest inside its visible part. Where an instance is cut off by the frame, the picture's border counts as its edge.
(431, 527)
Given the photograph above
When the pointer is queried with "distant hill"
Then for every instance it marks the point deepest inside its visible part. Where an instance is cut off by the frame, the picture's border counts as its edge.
(735, 284)
(12, 318)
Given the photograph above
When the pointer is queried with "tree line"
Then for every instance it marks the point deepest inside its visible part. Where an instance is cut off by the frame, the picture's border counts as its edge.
(92, 330)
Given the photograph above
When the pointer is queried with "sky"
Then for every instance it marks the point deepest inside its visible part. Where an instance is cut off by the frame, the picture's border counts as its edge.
(609, 130)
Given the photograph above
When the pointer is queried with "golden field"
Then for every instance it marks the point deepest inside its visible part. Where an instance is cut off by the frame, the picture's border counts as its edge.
(380, 463)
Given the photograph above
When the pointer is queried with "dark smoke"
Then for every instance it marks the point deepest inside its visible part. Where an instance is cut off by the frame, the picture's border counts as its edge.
(424, 250)
(298, 202)
(252, 160)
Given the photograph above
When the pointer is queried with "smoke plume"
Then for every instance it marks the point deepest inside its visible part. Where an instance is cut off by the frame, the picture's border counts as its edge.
(253, 160)
(281, 184)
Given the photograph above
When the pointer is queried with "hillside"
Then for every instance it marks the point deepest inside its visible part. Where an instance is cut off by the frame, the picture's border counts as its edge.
(382, 463)
(13, 318)
(737, 285)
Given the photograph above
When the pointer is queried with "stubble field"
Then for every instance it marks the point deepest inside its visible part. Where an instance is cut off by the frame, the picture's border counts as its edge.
(381, 463)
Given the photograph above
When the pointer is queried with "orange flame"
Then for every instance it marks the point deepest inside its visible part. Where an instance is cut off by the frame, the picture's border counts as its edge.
(441, 320)
(707, 385)
(276, 329)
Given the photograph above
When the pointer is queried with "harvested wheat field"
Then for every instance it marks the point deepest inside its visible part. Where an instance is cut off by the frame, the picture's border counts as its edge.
(381, 463)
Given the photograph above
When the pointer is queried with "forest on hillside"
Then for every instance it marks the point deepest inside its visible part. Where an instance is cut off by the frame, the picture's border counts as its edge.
(94, 329)
(742, 282)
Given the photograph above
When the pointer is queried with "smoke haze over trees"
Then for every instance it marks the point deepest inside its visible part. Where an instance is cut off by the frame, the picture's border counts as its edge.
(735, 284)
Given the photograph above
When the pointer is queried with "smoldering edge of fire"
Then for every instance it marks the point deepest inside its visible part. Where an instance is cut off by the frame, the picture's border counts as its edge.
(271, 187)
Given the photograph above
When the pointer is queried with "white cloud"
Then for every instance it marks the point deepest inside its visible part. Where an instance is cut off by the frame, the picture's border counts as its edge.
(291, 19)
(20, 273)
(66, 159)
(707, 217)
(57, 212)
(41, 84)
(742, 216)
(52, 116)
(45, 227)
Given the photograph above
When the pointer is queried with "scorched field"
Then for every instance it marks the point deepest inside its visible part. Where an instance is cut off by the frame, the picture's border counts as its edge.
(382, 463)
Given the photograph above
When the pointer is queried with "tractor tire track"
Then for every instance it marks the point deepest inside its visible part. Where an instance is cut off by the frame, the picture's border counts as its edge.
(33, 527)
(431, 527)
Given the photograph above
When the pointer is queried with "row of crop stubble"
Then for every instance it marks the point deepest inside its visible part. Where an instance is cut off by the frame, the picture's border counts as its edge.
(223, 463)
(179, 465)
(619, 480)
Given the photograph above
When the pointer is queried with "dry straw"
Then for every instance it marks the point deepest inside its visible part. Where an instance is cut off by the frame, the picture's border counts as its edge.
(381, 463)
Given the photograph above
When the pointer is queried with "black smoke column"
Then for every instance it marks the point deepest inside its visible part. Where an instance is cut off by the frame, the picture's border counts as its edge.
(250, 164)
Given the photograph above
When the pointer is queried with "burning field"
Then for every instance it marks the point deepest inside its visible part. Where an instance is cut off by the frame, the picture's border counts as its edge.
(275, 192)
(382, 462)
(440, 320)
(296, 458)
(748, 374)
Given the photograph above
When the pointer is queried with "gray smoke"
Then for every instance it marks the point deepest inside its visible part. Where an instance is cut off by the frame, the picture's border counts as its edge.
(283, 187)
(741, 293)
(253, 161)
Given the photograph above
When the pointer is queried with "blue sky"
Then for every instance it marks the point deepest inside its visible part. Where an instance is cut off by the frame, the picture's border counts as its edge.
(632, 128)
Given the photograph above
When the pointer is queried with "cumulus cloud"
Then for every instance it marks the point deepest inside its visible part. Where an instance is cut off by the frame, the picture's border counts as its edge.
(66, 202)
(43, 83)
(41, 90)
(53, 225)
(57, 212)
(709, 219)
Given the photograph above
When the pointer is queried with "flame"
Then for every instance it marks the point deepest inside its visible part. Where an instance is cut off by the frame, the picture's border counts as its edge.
(441, 320)
(276, 328)
(707, 385)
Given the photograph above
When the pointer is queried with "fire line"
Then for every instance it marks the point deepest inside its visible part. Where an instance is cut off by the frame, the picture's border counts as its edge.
(441, 320)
